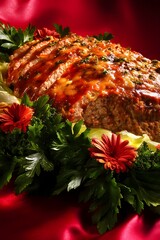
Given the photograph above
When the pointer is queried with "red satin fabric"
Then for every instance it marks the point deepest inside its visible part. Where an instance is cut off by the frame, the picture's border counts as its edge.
(134, 24)
(62, 218)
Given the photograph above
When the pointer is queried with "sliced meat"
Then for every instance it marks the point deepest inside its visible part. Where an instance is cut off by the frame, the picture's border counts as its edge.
(101, 82)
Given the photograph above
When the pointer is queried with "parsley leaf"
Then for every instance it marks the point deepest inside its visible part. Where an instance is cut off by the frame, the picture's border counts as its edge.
(22, 182)
(70, 151)
(147, 159)
(12, 38)
(7, 167)
(141, 187)
(62, 31)
(106, 36)
(34, 162)
(101, 190)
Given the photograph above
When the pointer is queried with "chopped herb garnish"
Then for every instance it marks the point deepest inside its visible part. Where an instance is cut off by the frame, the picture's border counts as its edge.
(110, 58)
(119, 60)
(105, 71)
(85, 60)
(104, 58)
(59, 62)
(137, 82)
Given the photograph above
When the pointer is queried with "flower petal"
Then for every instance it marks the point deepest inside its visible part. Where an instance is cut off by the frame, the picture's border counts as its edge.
(15, 116)
(116, 154)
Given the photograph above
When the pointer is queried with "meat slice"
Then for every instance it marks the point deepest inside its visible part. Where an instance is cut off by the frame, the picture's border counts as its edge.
(103, 83)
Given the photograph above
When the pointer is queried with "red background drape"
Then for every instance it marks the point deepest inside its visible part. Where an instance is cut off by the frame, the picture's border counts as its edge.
(135, 24)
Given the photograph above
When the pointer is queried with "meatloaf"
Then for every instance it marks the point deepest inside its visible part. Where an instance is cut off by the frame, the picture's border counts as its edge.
(101, 82)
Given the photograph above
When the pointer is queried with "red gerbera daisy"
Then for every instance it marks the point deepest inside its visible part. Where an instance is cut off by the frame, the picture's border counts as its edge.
(158, 146)
(45, 32)
(15, 116)
(116, 154)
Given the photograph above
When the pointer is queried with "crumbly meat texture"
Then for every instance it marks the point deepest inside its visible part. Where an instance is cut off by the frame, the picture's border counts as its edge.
(103, 83)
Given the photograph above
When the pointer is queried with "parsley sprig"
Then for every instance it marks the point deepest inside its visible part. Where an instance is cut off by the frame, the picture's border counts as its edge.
(106, 36)
(12, 38)
(62, 31)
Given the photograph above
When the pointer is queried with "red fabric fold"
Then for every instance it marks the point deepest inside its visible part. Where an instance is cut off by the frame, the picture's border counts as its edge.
(62, 218)
(134, 24)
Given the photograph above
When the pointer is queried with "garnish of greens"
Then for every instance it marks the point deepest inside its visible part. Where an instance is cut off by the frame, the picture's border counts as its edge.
(12, 38)
(52, 157)
(62, 31)
(106, 36)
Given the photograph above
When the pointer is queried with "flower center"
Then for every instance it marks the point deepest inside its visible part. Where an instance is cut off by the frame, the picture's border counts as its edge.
(16, 118)
(113, 153)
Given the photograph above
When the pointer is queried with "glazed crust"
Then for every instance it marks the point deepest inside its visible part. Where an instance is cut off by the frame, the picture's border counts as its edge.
(101, 82)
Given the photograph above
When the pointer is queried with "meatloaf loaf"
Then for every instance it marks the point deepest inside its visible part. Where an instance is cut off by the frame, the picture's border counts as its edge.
(101, 82)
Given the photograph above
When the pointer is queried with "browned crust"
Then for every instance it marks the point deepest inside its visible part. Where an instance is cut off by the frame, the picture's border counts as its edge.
(100, 82)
